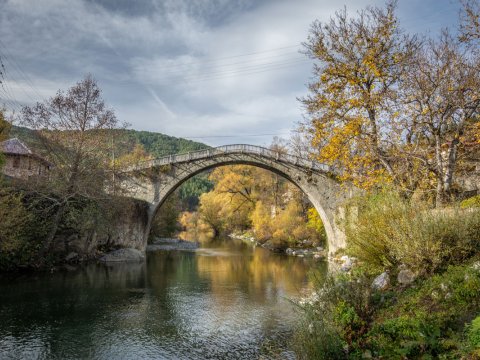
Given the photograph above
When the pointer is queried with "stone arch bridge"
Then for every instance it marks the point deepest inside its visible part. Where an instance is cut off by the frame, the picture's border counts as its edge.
(154, 180)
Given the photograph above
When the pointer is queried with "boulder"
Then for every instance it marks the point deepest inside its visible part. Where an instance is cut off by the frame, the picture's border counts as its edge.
(289, 251)
(405, 277)
(123, 255)
(381, 282)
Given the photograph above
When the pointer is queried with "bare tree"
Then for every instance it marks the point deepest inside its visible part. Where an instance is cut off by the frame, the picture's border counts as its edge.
(470, 21)
(442, 102)
(73, 129)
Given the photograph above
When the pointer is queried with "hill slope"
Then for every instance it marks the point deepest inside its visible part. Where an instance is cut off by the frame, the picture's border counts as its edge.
(156, 144)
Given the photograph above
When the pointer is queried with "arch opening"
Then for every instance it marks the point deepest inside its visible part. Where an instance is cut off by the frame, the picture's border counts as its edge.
(179, 174)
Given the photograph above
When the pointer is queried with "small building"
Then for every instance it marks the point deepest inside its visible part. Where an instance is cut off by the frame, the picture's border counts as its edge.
(21, 162)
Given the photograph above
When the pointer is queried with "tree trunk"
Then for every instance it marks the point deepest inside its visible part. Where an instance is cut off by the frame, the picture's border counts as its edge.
(48, 243)
(450, 166)
(440, 196)
(376, 147)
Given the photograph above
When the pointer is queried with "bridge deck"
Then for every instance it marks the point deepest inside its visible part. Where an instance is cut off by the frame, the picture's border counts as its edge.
(227, 150)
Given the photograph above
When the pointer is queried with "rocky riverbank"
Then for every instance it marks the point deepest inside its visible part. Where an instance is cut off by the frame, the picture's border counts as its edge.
(304, 249)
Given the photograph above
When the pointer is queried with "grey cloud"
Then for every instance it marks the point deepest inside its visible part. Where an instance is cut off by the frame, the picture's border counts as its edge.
(172, 66)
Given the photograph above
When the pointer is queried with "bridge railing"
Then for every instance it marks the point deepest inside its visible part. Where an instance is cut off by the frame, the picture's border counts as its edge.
(232, 149)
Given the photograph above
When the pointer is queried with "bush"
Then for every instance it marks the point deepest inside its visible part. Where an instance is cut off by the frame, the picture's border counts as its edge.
(390, 231)
(473, 202)
(425, 321)
(347, 319)
(473, 333)
(21, 229)
(338, 317)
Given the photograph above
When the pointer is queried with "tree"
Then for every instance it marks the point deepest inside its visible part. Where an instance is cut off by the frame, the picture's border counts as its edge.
(470, 21)
(442, 104)
(352, 104)
(212, 208)
(73, 129)
(5, 127)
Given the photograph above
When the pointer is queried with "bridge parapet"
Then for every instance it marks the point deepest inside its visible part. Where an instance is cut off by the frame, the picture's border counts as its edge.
(231, 149)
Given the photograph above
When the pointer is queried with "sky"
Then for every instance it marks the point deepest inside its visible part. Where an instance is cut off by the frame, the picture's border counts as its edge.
(215, 71)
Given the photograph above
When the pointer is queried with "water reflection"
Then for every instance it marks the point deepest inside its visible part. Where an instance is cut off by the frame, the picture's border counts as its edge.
(222, 301)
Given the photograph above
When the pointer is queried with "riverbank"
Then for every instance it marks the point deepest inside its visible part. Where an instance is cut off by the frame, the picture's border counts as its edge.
(412, 289)
(305, 248)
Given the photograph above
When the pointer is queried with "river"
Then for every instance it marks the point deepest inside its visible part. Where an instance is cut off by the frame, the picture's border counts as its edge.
(227, 300)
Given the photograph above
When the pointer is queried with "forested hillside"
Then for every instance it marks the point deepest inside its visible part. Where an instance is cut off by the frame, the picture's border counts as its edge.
(155, 144)
(133, 145)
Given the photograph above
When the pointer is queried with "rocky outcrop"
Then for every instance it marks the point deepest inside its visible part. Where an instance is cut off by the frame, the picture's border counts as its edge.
(128, 230)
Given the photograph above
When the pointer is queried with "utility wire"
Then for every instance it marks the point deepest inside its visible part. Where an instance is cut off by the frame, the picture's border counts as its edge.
(249, 70)
(233, 136)
(20, 71)
(210, 60)
(217, 63)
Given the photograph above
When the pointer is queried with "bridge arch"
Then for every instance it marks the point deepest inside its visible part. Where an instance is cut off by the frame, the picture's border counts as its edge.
(155, 180)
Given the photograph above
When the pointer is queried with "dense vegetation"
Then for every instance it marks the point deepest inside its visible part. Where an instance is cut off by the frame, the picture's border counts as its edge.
(46, 218)
(431, 317)
(250, 200)
(399, 114)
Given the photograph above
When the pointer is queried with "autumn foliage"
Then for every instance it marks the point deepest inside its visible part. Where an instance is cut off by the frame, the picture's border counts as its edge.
(250, 199)
(388, 107)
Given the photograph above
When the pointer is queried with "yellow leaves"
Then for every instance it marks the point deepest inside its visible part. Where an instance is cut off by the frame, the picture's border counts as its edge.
(137, 155)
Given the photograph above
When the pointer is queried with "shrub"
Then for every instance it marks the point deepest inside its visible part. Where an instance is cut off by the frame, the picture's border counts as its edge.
(473, 333)
(338, 317)
(472, 202)
(390, 231)
(347, 319)
(424, 321)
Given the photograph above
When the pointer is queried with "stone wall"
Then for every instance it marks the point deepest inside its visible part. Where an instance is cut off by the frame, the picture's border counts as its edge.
(23, 167)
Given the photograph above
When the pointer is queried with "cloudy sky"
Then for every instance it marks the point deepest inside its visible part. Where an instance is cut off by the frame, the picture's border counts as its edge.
(216, 71)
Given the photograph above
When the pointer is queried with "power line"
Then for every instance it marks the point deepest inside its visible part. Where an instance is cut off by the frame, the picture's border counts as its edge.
(233, 136)
(239, 56)
(15, 66)
(250, 72)
(218, 63)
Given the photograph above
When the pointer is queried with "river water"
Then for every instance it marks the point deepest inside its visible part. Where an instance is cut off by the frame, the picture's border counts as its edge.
(227, 300)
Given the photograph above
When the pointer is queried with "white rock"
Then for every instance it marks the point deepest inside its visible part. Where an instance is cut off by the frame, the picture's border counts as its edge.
(405, 277)
(381, 282)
